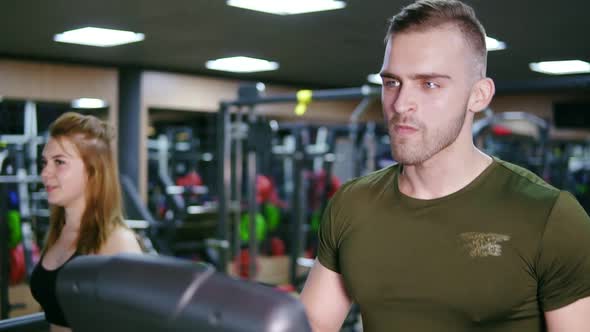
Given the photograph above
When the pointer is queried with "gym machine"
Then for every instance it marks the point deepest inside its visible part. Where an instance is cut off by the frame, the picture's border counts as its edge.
(149, 293)
(22, 150)
(231, 122)
(185, 226)
(140, 220)
(516, 137)
(364, 152)
(154, 293)
(28, 323)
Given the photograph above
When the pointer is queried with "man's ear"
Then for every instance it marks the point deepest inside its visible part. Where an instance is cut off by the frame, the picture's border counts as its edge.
(481, 95)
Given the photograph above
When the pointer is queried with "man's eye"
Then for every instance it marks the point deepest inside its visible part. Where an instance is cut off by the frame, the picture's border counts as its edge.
(431, 85)
(392, 83)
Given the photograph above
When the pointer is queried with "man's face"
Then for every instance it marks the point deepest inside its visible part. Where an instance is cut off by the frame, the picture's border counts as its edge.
(427, 79)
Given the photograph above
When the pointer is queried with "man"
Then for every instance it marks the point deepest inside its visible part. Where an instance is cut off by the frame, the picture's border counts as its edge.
(450, 239)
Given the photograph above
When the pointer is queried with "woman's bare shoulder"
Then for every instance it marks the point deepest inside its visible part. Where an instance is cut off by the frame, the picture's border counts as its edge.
(120, 240)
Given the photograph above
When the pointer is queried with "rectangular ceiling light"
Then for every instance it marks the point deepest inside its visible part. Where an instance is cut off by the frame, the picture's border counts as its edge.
(88, 103)
(494, 44)
(561, 67)
(241, 64)
(98, 37)
(375, 79)
(287, 7)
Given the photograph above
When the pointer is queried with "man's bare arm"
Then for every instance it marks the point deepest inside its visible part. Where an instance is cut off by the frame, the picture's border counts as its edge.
(574, 317)
(325, 299)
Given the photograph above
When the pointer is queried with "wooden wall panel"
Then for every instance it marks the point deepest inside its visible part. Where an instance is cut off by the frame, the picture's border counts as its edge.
(60, 83)
(20, 80)
(541, 104)
(38, 81)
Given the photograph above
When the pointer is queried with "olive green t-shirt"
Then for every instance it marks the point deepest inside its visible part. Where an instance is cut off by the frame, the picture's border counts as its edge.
(491, 257)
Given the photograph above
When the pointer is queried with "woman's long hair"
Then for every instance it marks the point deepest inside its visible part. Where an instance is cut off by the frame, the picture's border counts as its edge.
(93, 140)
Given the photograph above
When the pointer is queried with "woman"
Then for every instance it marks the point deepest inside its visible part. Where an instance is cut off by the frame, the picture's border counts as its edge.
(80, 177)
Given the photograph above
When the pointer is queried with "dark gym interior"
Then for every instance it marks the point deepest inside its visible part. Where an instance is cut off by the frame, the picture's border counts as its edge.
(225, 175)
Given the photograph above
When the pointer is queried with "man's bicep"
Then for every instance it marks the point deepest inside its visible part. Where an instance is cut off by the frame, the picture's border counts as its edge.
(325, 299)
(571, 318)
(563, 266)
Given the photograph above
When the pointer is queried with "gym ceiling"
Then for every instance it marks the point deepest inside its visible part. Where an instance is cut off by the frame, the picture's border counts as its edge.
(318, 50)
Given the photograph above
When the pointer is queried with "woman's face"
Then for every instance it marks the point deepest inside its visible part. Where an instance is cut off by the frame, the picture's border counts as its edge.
(64, 174)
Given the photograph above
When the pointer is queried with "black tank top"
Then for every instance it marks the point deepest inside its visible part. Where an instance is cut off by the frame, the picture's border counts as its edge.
(44, 290)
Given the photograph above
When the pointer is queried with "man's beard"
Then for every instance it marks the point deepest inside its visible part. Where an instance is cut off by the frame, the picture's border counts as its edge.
(423, 144)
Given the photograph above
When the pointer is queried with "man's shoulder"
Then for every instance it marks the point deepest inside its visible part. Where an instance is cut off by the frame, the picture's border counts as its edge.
(521, 181)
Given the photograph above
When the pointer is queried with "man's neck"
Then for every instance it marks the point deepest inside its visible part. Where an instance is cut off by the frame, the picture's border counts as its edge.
(445, 173)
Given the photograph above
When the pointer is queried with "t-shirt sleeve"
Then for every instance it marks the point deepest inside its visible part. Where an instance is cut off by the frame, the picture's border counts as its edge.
(563, 268)
(328, 238)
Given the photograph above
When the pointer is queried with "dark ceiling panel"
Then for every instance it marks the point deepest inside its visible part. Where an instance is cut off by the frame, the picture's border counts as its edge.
(325, 49)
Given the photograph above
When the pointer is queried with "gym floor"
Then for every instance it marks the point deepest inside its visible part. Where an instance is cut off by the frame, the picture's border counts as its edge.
(22, 300)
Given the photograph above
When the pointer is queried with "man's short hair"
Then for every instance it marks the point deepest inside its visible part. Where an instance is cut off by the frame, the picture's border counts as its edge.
(426, 14)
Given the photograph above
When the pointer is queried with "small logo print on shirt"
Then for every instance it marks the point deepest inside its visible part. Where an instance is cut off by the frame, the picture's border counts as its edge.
(483, 244)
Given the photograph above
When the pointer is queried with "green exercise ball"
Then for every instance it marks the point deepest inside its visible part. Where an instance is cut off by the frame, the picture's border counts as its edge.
(14, 229)
(316, 219)
(273, 216)
(260, 227)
